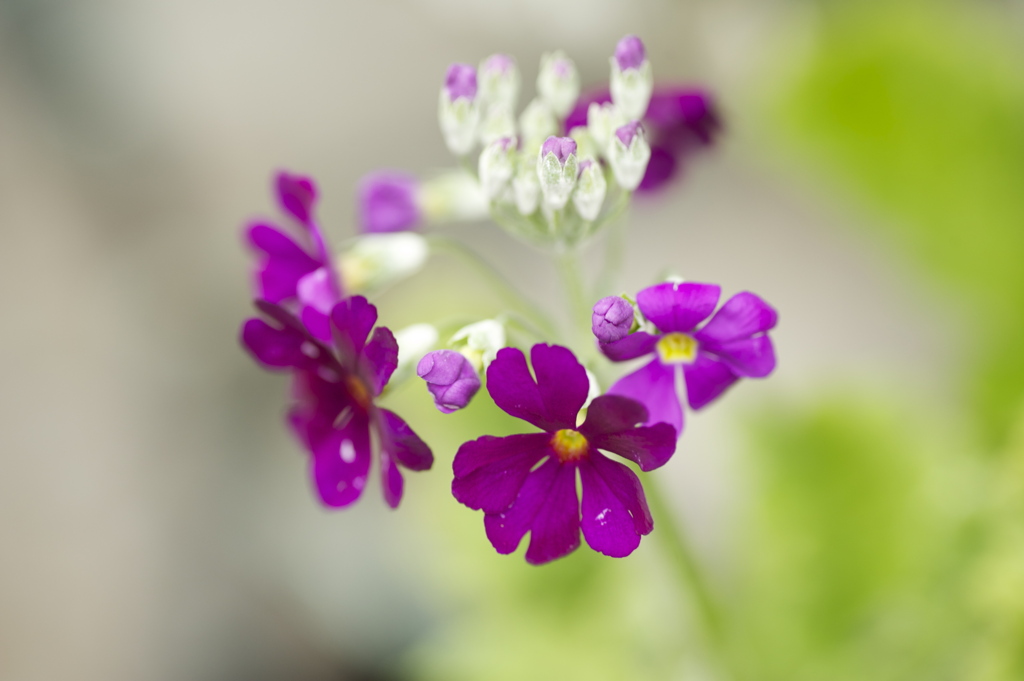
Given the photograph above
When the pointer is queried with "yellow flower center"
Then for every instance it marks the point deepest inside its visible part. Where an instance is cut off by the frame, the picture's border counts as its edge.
(569, 445)
(677, 348)
(359, 392)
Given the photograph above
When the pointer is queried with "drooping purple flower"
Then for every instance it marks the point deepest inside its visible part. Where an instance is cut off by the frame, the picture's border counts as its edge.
(333, 389)
(561, 147)
(630, 53)
(678, 122)
(611, 319)
(389, 202)
(450, 378)
(295, 272)
(460, 81)
(733, 344)
(527, 483)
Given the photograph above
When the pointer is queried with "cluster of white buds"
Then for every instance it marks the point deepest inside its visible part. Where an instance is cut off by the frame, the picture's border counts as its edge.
(543, 183)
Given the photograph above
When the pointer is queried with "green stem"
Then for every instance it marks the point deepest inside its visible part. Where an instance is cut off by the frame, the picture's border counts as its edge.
(568, 265)
(501, 285)
(675, 543)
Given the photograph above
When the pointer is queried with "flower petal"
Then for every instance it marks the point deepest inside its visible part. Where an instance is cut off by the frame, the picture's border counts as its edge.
(399, 441)
(555, 531)
(706, 379)
(490, 471)
(284, 264)
(352, 319)
(742, 316)
(380, 358)
(505, 529)
(678, 306)
(341, 462)
(391, 480)
(632, 346)
(654, 385)
(750, 357)
(614, 512)
(610, 425)
(315, 290)
(278, 348)
(297, 195)
(554, 402)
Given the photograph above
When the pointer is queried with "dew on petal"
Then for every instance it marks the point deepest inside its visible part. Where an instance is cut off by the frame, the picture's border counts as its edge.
(310, 349)
(348, 452)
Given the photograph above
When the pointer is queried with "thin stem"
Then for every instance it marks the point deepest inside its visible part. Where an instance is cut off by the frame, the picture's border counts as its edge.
(615, 245)
(501, 285)
(569, 271)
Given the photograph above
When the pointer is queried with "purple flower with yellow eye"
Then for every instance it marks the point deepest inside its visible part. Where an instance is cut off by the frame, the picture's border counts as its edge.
(334, 385)
(527, 483)
(733, 344)
(294, 267)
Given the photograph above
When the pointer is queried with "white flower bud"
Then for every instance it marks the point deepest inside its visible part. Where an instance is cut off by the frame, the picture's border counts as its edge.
(496, 166)
(628, 155)
(377, 260)
(499, 80)
(557, 168)
(480, 342)
(526, 186)
(498, 123)
(590, 190)
(586, 147)
(413, 343)
(602, 122)
(459, 109)
(631, 89)
(558, 82)
(452, 196)
(537, 123)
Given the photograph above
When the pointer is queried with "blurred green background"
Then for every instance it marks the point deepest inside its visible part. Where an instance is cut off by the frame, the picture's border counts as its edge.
(860, 515)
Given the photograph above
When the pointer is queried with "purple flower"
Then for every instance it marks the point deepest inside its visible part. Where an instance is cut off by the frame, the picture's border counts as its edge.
(527, 483)
(612, 319)
(733, 344)
(333, 389)
(630, 53)
(460, 81)
(295, 272)
(678, 121)
(388, 202)
(450, 377)
(561, 147)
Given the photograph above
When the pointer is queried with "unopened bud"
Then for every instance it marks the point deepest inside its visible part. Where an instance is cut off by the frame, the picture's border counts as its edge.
(556, 170)
(450, 378)
(628, 155)
(526, 186)
(558, 82)
(631, 79)
(499, 80)
(499, 122)
(378, 260)
(612, 319)
(480, 342)
(459, 110)
(496, 166)
(537, 123)
(413, 343)
(590, 190)
(602, 121)
(586, 147)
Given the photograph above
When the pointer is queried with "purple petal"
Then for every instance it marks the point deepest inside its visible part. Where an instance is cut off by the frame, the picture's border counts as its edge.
(352, 319)
(278, 348)
(706, 379)
(742, 316)
(661, 167)
(555, 531)
(318, 323)
(614, 510)
(551, 403)
(654, 385)
(678, 307)
(683, 117)
(315, 290)
(749, 357)
(380, 358)
(630, 53)
(296, 194)
(450, 378)
(341, 462)
(561, 147)
(402, 444)
(460, 81)
(611, 425)
(632, 346)
(284, 263)
(505, 529)
(388, 202)
(391, 480)
(490, 471)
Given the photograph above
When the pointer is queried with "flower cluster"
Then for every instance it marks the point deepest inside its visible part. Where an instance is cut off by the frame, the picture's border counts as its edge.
(553, 176)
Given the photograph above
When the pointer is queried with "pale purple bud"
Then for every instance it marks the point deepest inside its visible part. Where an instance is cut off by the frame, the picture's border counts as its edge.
(630, 53)
(460, 82)
(561, 147)
(627, 132)
(498, 64)
(583, 166)
(388, 202)
(450, 378)
(612, 319)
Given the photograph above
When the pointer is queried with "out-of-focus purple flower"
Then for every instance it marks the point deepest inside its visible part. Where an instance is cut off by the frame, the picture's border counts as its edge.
(388, 202)
(678, 121)
(450, 378)
(630, 52)
(460, 81)
(295, 271)
(333, 389)
(527, 483)
(561, 147)
(733, 344)
(611, 319)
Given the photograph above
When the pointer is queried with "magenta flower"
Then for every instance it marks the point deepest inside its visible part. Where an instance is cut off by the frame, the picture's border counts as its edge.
(678, 121)
(333, 390)
(733, 344)
(388, 202)
(527, 483)
(296, 273)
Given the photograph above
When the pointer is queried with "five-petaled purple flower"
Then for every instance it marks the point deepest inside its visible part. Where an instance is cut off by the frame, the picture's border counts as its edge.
(296, 274)
(527, 482)
(733, 344)
(333, 391)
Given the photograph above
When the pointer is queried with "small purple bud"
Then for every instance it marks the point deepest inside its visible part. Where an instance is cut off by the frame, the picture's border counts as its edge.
(630, 53)
(561, 147)
(583, 166)
(612, 319)
(450, 378)
(296, 194)
(387, 202)
(562, 68)
(627, 132)
(498, 63)
(460, 82)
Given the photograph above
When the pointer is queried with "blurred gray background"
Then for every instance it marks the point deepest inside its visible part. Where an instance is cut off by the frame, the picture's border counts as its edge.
(155, 516)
